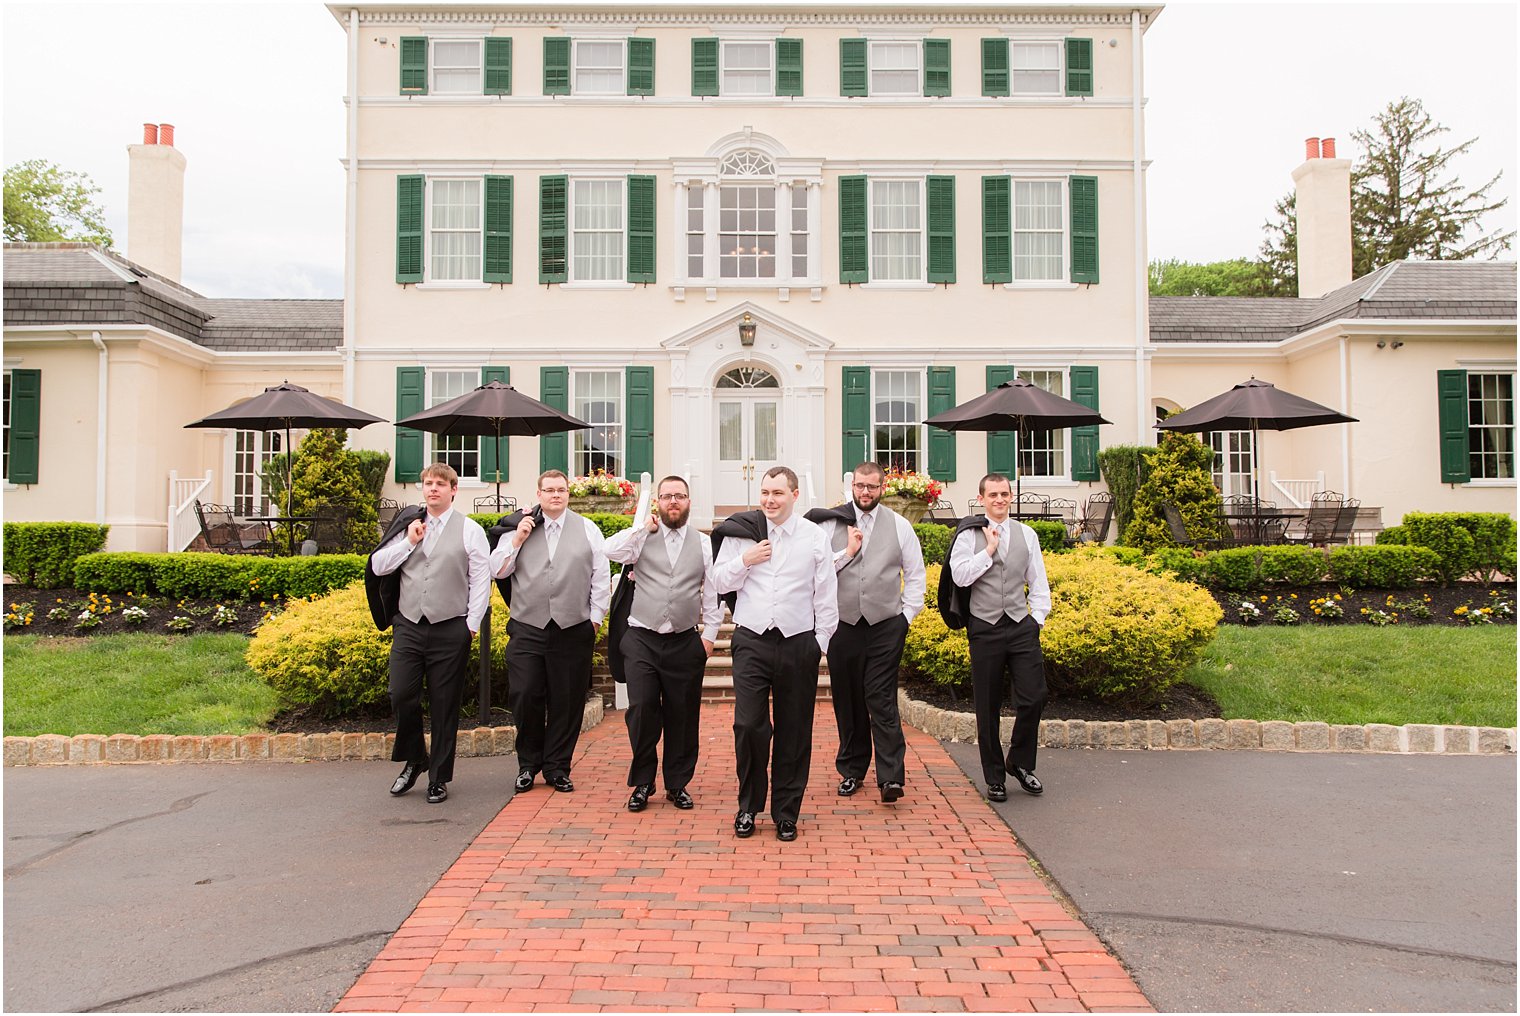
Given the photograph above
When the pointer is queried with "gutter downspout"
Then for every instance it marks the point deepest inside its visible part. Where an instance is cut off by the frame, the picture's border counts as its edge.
(351, 208)
(1142, 272)
(101, 429)
(1346, 408)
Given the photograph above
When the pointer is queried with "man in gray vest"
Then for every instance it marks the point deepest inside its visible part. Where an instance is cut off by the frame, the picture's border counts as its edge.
(881, 589)
(442, 557)
(560, 590)
(664, 656)
(1010, 598)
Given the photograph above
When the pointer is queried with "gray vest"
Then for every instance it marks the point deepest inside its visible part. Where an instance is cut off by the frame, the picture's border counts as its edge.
(870, 586)
(665, 593)
(1000, 590)
(437, 585)
(558, 590)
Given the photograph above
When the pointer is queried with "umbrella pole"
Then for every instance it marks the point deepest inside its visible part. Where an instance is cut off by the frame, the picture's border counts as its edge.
(290, 492)
(498, 465)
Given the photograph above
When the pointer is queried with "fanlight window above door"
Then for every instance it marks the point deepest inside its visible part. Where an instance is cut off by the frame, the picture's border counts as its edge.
(748, 377)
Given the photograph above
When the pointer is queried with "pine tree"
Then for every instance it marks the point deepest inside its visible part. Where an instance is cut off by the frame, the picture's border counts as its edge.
(326, 473)
(1180, 474)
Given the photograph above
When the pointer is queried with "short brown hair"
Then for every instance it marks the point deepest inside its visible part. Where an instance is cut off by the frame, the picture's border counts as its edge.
(551, 472)
(870, 469)
(672, 479)
(981, 485)
(442, 470)
(791, 477)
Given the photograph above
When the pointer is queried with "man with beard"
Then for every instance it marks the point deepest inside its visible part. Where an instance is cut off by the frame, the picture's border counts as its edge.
(881, 589)
(782, 570)
(663, 655)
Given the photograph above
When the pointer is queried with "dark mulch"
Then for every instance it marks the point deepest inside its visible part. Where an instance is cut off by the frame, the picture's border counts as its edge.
(1181, 702)
(160, 610)
(1422, 605)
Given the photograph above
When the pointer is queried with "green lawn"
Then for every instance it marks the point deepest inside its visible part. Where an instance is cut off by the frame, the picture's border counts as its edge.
(132, 684)
(1362, 674)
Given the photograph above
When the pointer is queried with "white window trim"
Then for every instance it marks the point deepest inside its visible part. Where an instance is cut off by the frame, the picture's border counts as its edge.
(428, 373)
(571, 282)
(1060, 44)
(723, 44)
(428, 282)
(923, 429)
(871, 68)
(921, 283)
(700, 189)
(575, 48)
(6, 481)
(1064, 282)
(1496, 481)
(622, 452)
(480, 65)
(1064, 476)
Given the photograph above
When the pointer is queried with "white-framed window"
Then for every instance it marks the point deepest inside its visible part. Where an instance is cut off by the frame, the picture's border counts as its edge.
(455, 67)
(897, 230)
(596, 396)
(458, 450)
(599, 67)
(1035, 68)
(598, 234)
(1042, 453)
(5, 431)
(1039, 230)
(755, 228)
(454, 230)
(251, 449)
(1234, 466)
(1490, 425)
(799, 234)
(747, 231)
(746, 68)
(897, 409)
(894, 68)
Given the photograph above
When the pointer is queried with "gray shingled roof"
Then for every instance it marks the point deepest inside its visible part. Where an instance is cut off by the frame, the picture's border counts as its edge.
(76, 283)
(1404, 290)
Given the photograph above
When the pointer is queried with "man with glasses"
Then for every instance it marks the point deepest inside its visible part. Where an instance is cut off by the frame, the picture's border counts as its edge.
(880, 567)
(1009, 599)
(663, 655)
(559, 591)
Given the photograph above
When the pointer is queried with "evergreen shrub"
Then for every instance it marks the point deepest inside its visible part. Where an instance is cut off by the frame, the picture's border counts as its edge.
(216, 576)
(934, 539)
(42, 554)
(1466, 542)
(1124, 468)
(1387, 566)
(1181, 475)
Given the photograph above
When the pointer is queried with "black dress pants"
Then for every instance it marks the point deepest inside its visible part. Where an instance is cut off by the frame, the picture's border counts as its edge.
(664, 677)
(863, 663)
(786, 668)
(548, 677)
(438, 654)
(1007, 648)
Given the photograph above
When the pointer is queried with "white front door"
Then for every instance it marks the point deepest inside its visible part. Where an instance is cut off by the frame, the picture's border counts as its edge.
(746, 428)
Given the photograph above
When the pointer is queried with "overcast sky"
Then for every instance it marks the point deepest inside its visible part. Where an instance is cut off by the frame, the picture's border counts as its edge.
(255, 94)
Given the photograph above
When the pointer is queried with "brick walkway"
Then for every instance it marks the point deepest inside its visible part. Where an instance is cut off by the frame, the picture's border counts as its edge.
(570, 902)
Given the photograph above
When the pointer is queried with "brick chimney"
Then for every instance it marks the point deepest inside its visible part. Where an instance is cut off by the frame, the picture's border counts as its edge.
(156, 201)
(1323, 199)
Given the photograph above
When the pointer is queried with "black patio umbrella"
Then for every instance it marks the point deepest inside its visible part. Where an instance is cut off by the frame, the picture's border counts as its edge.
(285, 406)
(1254, 405)
(1016, 405)
(493, 410)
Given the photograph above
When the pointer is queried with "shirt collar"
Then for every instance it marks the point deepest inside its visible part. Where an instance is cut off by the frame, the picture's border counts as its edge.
(443, 519)
(786, 528)
(861, 515)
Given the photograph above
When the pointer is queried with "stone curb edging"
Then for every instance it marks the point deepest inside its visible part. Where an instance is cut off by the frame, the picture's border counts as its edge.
(1258, 735)
(56, 749)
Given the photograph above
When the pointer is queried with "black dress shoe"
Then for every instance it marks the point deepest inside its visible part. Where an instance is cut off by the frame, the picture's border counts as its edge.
(681, 799)
(1027, 781)
(408, 777)
(744, 824)
(786, 830)
(997, 792)
(437, 793)
(561, 783)
(891, 791)
(639, 799)
(848, 786)
(524, 781)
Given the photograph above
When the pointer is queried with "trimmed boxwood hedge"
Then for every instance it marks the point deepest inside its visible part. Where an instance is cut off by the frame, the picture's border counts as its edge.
(216, 576)
(42, 554)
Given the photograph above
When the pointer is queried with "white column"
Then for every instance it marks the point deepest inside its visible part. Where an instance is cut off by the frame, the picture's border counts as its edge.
(710, 228)
(815, 229)
(784, 231)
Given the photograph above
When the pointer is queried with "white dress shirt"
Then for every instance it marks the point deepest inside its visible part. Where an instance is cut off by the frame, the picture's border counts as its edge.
(794, 591)
(967, 564)
(504, 559)
(476, 547)
(627, 546)
(914, 579)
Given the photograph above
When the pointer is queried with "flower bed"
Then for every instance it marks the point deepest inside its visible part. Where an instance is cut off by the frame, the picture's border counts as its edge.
(1462, 604)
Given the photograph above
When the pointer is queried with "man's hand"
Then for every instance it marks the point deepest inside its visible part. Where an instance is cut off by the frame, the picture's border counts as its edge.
(759, 552)
(852, 547)
(992, 541)
(654, 525)
(474, 634)
(416, 531)
(707, 647)
(524, 530)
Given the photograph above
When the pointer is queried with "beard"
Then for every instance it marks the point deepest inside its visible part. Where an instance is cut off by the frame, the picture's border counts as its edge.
(675, 518)
(869, 503)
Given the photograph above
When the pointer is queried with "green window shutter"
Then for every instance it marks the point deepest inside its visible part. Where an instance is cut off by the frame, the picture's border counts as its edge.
(409, 443)
(1000, 448)
(488, 444)
(1084, 229)
(994, 67)
(1084, 440)
(641, 229)
(941, 216)
(852, 67)
(554, 390)
(26, 426)
(997, 237)
(557, 66)
(855, 415)
(414, 54)
(1451, 387)
(640, 396)
(941, 442)
(704, 67)
(788, 66)
(552, 242)
(1079, 67)
(936, 66)
(498, 66)
(498, 241)
(409, 228)
(853, 246)
(640, 66)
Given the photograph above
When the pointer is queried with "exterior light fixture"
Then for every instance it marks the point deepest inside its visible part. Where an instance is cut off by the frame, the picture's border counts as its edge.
(746, 330)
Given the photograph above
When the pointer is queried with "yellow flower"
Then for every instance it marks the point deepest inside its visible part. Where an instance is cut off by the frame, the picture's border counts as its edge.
(1337, 596)
(1293, 596)
(1263, 599)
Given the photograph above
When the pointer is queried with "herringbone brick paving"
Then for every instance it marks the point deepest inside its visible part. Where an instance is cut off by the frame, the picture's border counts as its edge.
(569, 902)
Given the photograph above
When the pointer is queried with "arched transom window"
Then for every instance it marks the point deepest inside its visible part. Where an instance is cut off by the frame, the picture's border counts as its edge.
(748, 377)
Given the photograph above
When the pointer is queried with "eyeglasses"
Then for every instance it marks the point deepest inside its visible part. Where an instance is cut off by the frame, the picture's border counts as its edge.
(667, 498)
(868, 487)
(554, 490)
(997, 497)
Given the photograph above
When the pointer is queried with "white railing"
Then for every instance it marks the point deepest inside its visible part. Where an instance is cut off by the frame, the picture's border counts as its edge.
(184, 526)
(809, 493)
(1297, 492)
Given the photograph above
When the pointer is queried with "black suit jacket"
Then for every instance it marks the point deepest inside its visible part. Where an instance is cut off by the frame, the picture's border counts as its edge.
(384, 591)
(505, 528)
(954, 600)
(751, 525)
